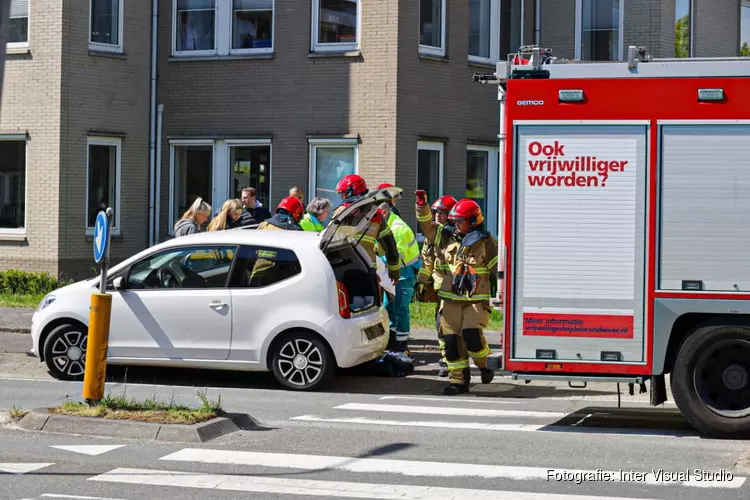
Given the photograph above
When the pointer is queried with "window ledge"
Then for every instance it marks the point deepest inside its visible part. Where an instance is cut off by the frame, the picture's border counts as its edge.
(107, 53)
(482, 64)
(20, 237)
(342, 53)
(431, 57)
(17, 51)
(234, 57)
(114, 237)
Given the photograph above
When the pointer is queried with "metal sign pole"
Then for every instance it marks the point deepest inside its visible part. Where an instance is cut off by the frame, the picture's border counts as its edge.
(4, 28)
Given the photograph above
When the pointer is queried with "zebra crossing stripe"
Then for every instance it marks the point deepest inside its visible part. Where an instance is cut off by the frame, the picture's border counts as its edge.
(442, 410)
(416, 468)
(317, 488)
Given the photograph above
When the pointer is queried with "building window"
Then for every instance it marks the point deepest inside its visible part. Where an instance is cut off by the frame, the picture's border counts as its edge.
(252, 25)
(430, 169)
(195, 26)
(18, 32)
(103, 180)
(682, 28)
(192, 172)
(482, 177)
(336, 25)
(484, 30)
(250, 166)
(599, 33)
(330, 160)
(432, 27)
(12, 184)
(745, 29)
(106, 25)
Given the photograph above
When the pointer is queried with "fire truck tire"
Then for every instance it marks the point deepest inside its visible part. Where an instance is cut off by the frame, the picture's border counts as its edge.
(711, 380)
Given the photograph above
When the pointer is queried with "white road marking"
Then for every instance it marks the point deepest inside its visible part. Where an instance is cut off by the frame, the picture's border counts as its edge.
(21, 468)
(89, 449)
(75, 497)
(452, 400)
(315, 488)
(480, 426)
(419, 468)
(440, 410)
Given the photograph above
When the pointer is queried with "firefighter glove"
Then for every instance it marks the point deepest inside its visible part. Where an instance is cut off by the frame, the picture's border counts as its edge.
(419, 290)
(421, 197)
(394, 275)
(465, 281)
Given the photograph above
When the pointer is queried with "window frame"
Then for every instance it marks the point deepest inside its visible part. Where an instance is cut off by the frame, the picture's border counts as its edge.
(18, 138)
(187, 142)
(108, 47)
(432, 146)
(230, 143)
(494, 35)
(94, 140)
(196, 53)
(429, 50)
(744, 4)
(125, 273)
(691, 20)
(316, 46)
(23, 45)
(620, 30)
(493, 195)
(314, 144)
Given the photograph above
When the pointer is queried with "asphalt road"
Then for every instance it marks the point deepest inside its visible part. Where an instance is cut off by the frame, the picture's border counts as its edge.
(376, 438)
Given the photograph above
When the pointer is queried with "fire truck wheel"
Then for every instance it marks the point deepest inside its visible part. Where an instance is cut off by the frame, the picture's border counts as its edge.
(711, 380)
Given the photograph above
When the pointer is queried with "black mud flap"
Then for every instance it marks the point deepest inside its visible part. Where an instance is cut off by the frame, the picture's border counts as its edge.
(658, 390)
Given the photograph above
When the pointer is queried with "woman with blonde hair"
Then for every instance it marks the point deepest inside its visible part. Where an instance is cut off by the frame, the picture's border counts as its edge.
(231, 211)
(192, 220)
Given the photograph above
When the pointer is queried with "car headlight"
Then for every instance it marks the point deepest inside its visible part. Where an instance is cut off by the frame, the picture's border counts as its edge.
(47, 300)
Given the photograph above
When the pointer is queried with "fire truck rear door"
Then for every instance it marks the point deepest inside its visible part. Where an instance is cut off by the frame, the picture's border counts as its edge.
(579, 242)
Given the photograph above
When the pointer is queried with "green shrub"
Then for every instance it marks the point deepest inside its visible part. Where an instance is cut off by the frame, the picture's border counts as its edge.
(14, 282)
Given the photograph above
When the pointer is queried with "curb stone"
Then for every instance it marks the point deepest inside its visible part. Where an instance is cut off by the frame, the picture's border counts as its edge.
(40, 419)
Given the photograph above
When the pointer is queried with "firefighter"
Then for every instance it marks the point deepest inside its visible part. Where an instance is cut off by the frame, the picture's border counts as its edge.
(392, 201)
(288, 213)
(376, 231)
(430, 276)
(470, 254)
(398, 308)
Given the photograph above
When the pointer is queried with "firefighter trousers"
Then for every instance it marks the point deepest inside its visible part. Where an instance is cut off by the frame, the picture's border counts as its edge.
(441, 341)
(462, 325)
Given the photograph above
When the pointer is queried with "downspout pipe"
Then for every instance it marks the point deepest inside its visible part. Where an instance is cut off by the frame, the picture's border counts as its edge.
(152, 132)
(159, 120)
(537, 23)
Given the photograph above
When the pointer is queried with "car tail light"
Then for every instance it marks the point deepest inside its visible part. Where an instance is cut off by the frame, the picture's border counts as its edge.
(344, 310)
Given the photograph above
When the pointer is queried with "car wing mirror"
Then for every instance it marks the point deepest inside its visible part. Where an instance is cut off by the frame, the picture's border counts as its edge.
(118, 283)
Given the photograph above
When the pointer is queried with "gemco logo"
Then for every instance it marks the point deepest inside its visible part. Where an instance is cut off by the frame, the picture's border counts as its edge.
(530, 103)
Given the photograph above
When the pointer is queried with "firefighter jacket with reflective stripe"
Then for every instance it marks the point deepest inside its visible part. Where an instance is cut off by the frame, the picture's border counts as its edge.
(479, 261)
(376, 232)
(310, 223)
(408, 248)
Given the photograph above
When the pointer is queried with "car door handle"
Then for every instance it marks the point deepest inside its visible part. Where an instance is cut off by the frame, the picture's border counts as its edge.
(217, 304)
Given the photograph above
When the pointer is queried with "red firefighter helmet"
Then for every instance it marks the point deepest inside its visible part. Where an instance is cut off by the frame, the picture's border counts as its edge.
(444, 204)
(385, 185)
(351, 185)
(292, 205)
(468, 210)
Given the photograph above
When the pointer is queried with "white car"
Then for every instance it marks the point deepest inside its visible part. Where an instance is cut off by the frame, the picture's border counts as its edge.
(292, 302)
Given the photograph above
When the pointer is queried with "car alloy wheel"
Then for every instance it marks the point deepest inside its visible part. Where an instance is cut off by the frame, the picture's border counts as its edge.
(300, 362)
(65, 352)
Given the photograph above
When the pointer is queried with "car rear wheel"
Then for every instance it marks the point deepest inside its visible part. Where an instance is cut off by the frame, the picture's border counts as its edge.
(302, 362)
(65, 352)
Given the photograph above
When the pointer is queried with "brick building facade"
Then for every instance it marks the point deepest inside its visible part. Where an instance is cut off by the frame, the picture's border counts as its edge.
(275, 93)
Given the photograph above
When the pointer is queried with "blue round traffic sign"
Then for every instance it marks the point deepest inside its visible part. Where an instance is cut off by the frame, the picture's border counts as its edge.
(101, 236)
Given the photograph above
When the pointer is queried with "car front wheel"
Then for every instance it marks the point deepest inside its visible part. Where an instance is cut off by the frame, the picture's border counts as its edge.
(302, 362)
(65, 352)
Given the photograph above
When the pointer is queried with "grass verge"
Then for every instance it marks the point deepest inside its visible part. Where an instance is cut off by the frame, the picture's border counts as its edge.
(17, 413)
(423, 317)
(20, 300)
(119, 408)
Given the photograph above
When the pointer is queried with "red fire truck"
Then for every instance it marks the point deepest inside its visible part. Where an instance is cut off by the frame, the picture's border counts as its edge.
(625, 229)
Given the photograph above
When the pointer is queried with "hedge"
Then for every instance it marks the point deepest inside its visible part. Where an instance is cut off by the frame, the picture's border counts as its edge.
(14, 282)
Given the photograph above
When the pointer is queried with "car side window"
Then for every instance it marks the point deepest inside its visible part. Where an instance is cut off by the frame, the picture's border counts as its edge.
(258, 267)
(188, 267)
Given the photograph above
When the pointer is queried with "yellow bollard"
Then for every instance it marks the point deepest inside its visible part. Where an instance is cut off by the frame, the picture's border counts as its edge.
(96, 347)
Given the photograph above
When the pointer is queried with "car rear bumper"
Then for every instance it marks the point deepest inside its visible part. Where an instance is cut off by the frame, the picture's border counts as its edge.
(360, 339)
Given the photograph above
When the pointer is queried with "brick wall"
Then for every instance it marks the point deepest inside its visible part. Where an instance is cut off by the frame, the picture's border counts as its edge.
(558, 24)
(31, 105)
(717, 28)
(105, 95)
(650, 24)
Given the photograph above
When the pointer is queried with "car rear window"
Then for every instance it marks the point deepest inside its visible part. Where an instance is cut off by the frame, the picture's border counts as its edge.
(260, 266)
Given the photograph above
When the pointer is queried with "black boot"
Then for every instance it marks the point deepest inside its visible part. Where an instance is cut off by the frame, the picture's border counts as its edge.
(455, 389)
(487, 375)
(443, 370)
